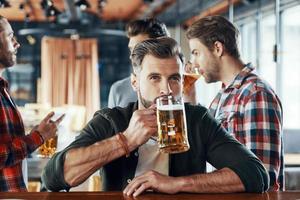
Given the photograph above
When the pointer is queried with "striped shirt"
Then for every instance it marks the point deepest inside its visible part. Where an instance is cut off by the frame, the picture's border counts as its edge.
(14, 145)
(251, 111)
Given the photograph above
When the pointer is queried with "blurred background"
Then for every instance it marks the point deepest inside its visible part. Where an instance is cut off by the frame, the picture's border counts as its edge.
(83, 42)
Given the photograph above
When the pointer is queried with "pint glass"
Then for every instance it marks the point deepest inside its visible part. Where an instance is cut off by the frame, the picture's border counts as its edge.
(172, 132)
(190, 76)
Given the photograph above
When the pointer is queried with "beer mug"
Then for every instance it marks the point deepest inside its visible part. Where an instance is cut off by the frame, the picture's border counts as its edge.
(172, 132)
(47, 149)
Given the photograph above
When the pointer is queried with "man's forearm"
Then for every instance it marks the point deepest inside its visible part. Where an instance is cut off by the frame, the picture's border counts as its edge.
(220, 181)
(80, 163)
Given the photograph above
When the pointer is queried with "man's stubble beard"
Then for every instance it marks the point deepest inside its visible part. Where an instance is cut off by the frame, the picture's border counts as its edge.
(6, 58)
(213, 74)
(144, 101)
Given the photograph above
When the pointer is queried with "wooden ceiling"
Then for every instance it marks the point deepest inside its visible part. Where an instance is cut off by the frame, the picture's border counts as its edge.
(113, 10)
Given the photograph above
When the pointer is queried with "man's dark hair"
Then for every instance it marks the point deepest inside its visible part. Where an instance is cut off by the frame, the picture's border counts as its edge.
(215, 28)
(151, 27)
(163, 47)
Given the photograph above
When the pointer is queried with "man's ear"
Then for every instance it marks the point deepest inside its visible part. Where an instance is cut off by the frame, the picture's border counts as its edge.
(134, 81)
(219, 49)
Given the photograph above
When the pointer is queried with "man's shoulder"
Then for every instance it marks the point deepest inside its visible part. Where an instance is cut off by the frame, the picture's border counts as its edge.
(253, 84)
(116, 112)
(120, 84)
(198, 109)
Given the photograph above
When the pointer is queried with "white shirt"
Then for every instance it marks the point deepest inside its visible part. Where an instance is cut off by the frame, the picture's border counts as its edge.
(150, 158)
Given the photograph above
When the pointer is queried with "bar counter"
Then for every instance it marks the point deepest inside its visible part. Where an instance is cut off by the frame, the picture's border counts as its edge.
(291, 195)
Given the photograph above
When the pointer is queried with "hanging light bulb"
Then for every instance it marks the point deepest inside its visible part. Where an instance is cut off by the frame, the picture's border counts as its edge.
(82, 4)
(49, 8)
(52, 11)
(101, 5)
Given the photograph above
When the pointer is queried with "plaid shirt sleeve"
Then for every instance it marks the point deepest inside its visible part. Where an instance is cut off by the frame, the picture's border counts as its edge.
(262, 131)
(15, 151)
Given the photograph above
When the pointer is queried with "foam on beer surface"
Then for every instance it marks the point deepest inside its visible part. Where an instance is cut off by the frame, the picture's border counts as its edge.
(169, 107)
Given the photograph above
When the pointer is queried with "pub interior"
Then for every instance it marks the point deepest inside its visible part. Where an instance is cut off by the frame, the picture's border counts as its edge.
(72, 51)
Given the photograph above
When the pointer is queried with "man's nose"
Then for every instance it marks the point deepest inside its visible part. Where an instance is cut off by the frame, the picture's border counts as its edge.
(192, 60)
(16, 44)
(166, 89)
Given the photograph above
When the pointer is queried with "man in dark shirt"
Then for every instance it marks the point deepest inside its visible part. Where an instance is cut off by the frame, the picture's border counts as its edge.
(118, 141)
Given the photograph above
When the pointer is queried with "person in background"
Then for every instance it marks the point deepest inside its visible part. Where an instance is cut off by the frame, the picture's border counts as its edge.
(117, 141)
(246, 105)
(121, 92)
(14, 144)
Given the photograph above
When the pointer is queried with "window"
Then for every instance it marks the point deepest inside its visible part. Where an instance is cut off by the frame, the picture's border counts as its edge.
(21, 81)
(291, 67)
(267, 66)
(249, 47)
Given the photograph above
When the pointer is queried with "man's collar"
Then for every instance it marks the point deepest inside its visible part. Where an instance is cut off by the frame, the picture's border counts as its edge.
(238, 80)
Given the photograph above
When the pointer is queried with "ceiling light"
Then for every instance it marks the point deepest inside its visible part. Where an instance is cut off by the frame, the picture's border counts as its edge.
(27, 18)
(21, 6)
(4, 4)
(82, 4)
(101, 5)
(52, 11)
(148, 1)
(49, 8)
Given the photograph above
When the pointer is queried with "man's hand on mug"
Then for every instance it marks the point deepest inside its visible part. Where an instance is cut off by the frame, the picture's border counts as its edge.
(154, 181)
(47, 128)
(142, 126)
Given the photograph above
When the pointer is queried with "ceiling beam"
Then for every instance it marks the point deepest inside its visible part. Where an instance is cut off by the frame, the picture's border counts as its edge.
(155, 7)
(148, 10)
(217, 9)
(163, 7)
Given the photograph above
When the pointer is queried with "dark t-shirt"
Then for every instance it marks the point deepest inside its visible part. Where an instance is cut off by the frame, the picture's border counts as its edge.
(208, 142)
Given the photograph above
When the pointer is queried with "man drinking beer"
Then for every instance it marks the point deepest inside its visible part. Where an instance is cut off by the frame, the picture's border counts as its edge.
(246, 105)
(111, 140)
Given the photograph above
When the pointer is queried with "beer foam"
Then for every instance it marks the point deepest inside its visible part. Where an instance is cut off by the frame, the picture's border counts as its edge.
(170, 107)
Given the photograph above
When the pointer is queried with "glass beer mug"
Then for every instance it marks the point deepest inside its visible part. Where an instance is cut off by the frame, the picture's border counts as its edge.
(172, 131)
(47, 149)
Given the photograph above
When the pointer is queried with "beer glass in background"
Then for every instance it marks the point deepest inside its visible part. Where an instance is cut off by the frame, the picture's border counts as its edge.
(190, 76)
(48, 148)
(172, 132)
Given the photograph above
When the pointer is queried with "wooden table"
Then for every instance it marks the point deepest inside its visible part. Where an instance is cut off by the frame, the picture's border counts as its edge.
(149, 196)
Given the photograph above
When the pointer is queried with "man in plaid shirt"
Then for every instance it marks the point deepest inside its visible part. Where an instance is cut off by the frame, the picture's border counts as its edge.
(246, 105)
(14, 145)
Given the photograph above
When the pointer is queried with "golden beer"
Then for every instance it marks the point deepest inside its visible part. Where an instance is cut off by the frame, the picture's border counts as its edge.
(48, 148)
(172, 134)
(189, 79)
